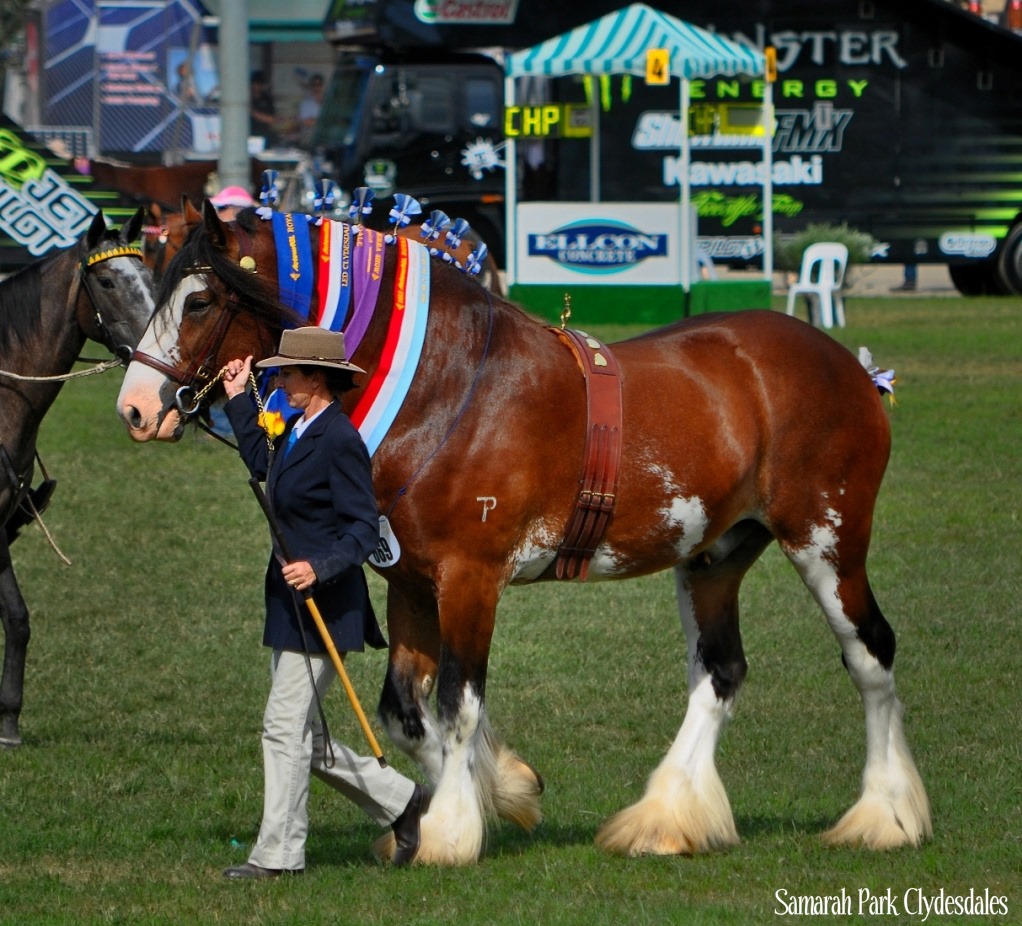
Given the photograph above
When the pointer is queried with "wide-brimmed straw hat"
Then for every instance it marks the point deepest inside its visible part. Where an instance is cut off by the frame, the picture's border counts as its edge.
(313, 347)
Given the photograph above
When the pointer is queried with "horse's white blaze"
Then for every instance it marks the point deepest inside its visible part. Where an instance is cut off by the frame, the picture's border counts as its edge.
(453, 829)
(133, 268)
(160, 338)
(145, 396)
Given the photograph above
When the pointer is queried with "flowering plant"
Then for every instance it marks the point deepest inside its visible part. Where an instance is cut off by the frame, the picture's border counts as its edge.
(272, 423)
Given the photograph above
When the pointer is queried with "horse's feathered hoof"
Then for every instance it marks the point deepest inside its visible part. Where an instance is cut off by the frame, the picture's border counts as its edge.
(435, 848)
(657, 827)
(385, 847)
(873, 823)
(893, 810)
(519, 786)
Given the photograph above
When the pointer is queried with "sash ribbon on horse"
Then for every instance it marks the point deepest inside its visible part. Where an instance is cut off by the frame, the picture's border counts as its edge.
(348, 269)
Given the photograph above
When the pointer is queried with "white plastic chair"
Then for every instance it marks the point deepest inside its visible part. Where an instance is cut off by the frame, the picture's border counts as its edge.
(820, 281)
(705, 266)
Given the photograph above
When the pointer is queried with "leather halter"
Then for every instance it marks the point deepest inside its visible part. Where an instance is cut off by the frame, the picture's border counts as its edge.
(597, 490)
(201, 368)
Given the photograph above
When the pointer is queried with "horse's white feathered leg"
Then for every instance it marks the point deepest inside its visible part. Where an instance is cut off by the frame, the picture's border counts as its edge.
(518, 785)
(453, 830)
(427, 750)
(893, 809)
(685, 809)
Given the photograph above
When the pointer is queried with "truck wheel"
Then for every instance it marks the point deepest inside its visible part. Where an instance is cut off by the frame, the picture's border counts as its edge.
(1009, 264)
(973, 279)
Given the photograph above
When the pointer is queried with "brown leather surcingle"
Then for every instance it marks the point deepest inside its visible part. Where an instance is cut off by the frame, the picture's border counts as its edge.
(598, 485)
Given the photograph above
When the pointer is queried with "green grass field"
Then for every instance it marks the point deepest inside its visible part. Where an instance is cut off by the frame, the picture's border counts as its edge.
(140, 776)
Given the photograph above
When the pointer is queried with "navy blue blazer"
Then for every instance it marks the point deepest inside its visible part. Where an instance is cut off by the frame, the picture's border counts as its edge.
(322, 496)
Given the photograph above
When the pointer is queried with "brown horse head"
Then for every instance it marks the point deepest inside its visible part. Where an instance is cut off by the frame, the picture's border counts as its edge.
(164, 233)
(219, 309)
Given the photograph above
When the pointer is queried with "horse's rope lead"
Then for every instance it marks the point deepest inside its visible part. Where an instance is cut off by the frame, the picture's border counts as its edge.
(101, 367)
(38, 516)
(205, 390)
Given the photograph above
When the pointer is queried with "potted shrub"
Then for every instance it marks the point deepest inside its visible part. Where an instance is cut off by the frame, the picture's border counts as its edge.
(788, 248)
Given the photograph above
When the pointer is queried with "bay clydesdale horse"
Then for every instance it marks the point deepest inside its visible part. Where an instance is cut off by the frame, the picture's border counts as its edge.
(735, 430)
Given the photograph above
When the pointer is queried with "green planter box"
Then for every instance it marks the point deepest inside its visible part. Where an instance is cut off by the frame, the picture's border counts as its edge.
(650, 305)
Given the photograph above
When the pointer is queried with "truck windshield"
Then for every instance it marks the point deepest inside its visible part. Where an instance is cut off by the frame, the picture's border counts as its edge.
(338, 116)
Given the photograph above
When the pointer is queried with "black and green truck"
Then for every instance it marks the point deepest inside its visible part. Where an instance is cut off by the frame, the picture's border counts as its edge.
(900, 118)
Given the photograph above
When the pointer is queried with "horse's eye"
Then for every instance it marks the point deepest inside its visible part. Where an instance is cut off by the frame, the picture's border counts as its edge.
(196, 304)
(107, 283)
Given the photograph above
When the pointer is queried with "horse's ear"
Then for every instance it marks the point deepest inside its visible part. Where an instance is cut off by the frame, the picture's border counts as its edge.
(214, 227)
(96, 230)
(130, 230)
(192, 215)
(155, 212)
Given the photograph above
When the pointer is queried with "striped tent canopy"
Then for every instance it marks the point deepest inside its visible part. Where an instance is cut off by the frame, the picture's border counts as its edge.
(618, 42)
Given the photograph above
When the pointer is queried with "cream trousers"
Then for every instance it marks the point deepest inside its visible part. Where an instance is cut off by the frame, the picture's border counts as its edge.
(294, 745)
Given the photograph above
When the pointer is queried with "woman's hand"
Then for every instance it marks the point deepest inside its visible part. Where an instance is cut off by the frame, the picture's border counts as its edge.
(299, 575)
(236, 375)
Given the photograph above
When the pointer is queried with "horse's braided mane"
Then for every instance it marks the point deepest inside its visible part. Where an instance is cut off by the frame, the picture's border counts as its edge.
(258, 294)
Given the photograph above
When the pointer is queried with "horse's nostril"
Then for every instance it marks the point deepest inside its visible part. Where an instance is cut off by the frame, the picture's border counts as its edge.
(133, 416)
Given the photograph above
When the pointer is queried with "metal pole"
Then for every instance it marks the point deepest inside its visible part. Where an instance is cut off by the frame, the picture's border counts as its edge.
(768, 181)
(235, 104)
(687, 244)
(510, 195)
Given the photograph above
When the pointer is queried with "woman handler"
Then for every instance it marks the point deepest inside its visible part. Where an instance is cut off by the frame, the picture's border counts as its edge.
(319, 483)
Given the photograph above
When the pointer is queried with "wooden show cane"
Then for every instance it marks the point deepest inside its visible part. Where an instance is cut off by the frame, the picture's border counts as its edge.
(335, 657)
